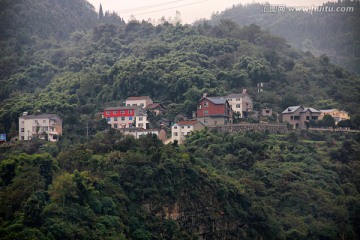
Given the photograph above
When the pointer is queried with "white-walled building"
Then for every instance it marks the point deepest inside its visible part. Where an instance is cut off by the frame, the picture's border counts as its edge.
(44, 126)
(241, 103)
(142, 101)
(181, 129)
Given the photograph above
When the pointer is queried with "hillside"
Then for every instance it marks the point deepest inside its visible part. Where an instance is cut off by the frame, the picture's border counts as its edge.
(217, 186)
(335, 34)
(302, 185)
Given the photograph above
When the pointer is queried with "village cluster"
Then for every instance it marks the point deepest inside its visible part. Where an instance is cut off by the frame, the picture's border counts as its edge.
(133, 117)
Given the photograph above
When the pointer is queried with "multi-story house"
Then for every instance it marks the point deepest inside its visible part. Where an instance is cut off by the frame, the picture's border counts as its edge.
(181, 129)
(44, 126)
(300, 116)
(142, 101)
(214, 111)
(240, 103)
(337, 114)
(126, 117)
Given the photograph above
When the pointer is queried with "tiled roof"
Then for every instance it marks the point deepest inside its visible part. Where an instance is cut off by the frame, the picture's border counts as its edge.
(47, 116)
(216, 100)
(154, 105)
(311, 110)
(138, 98)
(193, 122)
(329, 110)
(120, 108)
(291, 109)
(237, 95)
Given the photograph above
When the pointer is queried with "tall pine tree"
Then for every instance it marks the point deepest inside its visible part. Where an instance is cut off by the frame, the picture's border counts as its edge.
(101, 13)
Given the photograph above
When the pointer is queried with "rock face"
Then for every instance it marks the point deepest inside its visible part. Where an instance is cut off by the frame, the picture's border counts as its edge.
(244, 127)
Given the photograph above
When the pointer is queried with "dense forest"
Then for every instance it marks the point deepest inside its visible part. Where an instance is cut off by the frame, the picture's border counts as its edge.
(302, 185)
(335, 34)
(217, 186)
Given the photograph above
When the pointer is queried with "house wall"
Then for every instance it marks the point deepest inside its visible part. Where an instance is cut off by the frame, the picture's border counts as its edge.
(37, 126)
(210, 121)
(139, 102)
(141, 121)
(213, 109)
(293, 118)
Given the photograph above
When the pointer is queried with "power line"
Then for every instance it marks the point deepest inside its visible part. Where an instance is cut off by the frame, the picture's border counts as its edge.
(149, 6)
(165, 9)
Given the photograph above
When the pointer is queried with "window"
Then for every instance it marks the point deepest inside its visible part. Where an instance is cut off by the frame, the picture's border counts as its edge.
(108, 119)
(175, 127)
(140, 124)
(307, 118)
(115, 126)
(267, 111)
(188, 126)
(129, 111)
(206, 112)
(182, 127)
(122, 112)
(44, 121)
(229, 99)
(200, 106)
(130, 118)
(238, 99)
(205, 120)
(314, 118)
(296, 117)
(182, 134)
(140, 118)
(115, 119)
(107, 112)
(128, 104)
(22, 129)
(122, 118)
(206, 104)
(237, 106)
(176, 134)
(141, 105)
(115, 112)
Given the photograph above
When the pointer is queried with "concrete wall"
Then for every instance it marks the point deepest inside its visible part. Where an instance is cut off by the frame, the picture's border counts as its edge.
(244, 127)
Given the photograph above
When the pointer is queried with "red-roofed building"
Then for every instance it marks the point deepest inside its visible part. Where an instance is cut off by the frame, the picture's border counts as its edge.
(214, 111)
(181, 129)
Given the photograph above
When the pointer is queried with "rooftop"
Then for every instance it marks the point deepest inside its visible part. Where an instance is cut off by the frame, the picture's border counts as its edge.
(120, 108)
(216, 100)
(292, 109)
(138, 98)
(47, 116)
(192, 122)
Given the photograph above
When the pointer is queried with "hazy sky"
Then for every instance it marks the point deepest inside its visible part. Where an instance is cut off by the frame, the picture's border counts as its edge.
(190, 10)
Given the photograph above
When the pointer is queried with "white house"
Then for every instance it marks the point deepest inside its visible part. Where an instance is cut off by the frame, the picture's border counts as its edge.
(44, 126)
(142, 101)
(181, 129)
(240, 103)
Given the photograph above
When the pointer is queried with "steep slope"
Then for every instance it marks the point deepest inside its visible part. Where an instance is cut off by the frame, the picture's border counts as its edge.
(335, 34)
(46, 19)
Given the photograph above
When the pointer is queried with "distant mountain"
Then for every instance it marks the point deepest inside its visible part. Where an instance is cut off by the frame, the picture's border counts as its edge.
(336, 34)
(44, 18)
